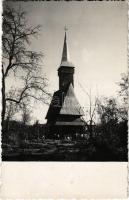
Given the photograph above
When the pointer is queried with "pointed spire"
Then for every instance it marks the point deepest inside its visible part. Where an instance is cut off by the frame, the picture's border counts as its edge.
(65, 55)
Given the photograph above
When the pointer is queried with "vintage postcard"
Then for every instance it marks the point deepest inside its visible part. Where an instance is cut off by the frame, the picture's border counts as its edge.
(64, 108)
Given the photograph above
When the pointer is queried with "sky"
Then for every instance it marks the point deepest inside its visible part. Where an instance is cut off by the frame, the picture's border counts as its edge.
(97, 42)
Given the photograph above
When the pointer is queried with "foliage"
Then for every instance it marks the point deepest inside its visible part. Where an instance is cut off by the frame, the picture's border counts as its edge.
(124, 85)
(107, 109)
(113, 127)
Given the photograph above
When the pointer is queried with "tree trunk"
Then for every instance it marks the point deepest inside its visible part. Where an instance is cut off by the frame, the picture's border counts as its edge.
(91, 129)
(3, 99)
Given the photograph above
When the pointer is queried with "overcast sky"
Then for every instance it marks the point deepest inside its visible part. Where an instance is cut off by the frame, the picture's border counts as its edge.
(97, 41)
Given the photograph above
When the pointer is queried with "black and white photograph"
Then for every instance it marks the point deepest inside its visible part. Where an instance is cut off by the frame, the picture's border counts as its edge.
(64, 81)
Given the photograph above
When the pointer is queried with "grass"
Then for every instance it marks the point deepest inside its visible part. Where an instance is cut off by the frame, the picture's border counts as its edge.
(57, 150)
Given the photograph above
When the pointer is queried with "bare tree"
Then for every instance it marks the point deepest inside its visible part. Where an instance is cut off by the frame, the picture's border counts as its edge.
(19, 59)
(91, 110)
(33, 87)
(11, 107)
(26, 114)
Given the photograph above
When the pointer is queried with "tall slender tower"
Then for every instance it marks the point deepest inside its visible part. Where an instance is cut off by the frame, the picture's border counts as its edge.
(66, 69)
(64, 113)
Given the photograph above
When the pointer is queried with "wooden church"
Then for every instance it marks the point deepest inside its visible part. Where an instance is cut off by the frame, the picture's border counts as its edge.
(64, 116)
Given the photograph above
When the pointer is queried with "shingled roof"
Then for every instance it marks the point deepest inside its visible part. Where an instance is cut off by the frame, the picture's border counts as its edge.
(71, 105)
(65, 61)
(64, 103)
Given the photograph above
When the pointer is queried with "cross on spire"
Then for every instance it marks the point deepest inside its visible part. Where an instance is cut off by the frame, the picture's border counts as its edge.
(65, 28)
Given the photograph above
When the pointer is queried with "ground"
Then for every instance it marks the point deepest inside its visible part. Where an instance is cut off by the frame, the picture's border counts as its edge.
(58, 150)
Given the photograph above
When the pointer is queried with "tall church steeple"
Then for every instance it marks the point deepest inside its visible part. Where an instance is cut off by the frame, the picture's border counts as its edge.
(66, 69)
(65, 53)
(64, 113)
